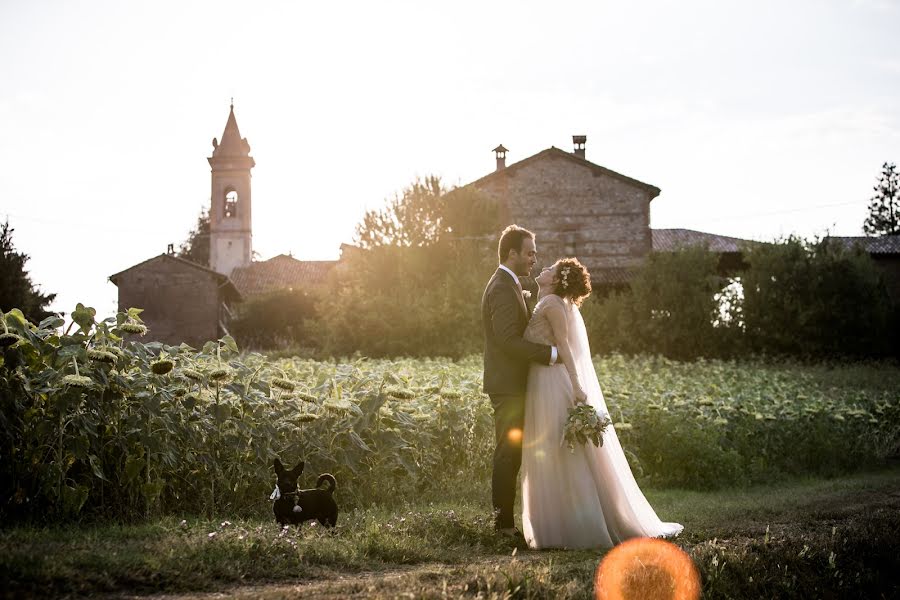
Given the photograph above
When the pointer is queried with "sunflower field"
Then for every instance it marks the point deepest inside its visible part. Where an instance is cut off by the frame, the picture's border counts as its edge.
(94, 422)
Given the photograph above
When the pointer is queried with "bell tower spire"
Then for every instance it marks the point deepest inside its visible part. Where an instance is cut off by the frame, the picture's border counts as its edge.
(230, 231)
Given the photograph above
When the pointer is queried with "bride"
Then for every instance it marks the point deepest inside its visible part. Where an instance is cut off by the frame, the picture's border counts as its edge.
(587, 499)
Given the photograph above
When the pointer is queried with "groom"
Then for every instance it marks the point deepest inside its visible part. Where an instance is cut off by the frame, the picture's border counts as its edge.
(506, 359)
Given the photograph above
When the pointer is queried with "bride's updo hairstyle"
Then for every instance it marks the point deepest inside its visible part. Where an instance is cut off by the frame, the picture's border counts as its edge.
(574, 281)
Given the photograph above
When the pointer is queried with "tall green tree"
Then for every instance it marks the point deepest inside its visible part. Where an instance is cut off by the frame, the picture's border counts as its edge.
(884, 206)
(425, 213)
(196, 247)
(411, 290)
(405, 301)
(410, 218)
(815, 298)
(16, 287)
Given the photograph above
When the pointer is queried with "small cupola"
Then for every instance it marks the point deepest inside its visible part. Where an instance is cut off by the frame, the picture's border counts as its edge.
(579, 141)
(500, 152)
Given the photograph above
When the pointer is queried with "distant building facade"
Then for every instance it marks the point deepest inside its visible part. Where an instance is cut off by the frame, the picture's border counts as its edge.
(578, 208)
(575, 207)
(182, 301)
(231, 204)
(187, 302)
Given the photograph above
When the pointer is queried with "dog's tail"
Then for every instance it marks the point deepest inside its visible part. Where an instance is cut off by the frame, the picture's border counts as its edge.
(330, 479)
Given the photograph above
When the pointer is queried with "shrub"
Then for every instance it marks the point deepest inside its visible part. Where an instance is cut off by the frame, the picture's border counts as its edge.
(279, 319)
(671, 308)
(815, 298)
(406, 301)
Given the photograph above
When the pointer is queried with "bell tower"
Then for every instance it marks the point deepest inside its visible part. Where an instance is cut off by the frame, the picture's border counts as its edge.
(230, 231)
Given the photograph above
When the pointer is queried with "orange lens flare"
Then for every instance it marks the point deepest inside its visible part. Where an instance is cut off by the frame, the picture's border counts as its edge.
(515, 436)
(646, 569)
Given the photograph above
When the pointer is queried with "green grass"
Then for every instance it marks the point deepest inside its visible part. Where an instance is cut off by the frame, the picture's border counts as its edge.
(802, 538)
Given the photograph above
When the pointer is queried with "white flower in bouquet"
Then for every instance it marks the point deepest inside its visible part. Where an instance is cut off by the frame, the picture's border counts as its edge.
(584, 424)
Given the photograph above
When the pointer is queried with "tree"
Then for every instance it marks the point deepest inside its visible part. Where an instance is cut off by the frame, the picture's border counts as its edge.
(196, 247)
(884, 206)
(276, 320)
(16, 288)
(671, 307)
(470, 214)
(411, 290)
(426, 213)
(405, 301)
(814, 298)
(412, 218)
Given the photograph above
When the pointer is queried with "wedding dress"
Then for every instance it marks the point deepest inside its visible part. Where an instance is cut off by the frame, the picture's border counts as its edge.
(585, 499)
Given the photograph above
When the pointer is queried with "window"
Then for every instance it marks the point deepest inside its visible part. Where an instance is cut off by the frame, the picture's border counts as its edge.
(231, 200)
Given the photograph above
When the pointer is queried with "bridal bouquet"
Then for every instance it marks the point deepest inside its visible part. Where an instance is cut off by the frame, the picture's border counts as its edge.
(583, 424)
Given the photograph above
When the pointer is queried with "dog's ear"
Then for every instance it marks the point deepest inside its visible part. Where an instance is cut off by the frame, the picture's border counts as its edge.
(299, 468)
(279, 468)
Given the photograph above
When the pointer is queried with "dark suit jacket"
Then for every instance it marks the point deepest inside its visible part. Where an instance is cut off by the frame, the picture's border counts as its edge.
(506, 355)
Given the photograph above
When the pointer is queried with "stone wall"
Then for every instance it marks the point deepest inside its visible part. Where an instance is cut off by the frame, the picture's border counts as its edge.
(181, 303)
(575, 208)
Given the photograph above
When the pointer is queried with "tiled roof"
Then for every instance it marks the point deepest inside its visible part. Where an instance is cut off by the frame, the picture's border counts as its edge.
(611, 276)
(223, 281)
(553, 151)
(280, 272)
(669, 240)
(178, 260)
(885, 244)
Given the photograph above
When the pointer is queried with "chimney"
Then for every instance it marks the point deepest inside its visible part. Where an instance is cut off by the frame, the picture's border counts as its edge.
(170, 250)
(579, 141)
(501, 156)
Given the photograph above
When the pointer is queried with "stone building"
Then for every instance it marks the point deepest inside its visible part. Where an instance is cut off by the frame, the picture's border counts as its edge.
(578, 208)
(182, 301)
(187, 302)
(278, 273)
(231, 206)
(575, 208)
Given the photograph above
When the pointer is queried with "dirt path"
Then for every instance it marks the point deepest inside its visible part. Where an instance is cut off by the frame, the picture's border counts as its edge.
(567, 574)
(437, 580)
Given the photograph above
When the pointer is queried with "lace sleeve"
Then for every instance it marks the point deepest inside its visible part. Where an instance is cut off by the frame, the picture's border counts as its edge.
(558, 316)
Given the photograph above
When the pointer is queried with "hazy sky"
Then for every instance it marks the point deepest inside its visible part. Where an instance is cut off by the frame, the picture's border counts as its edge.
(756, 119)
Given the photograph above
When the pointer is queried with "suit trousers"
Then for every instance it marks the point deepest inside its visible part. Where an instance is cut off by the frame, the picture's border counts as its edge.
(509, 421)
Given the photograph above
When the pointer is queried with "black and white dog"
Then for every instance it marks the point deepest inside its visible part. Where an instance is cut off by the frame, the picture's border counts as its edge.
(294, 506)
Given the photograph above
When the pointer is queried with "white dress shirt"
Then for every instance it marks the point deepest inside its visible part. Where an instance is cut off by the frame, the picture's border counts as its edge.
(554, 353)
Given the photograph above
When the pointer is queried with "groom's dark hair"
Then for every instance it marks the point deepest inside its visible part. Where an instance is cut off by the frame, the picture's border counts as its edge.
(511, 239)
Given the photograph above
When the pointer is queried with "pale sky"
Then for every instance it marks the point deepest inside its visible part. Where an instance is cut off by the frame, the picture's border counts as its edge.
(756, 119)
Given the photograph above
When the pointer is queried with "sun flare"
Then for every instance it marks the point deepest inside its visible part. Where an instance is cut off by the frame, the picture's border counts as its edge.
(646, 569)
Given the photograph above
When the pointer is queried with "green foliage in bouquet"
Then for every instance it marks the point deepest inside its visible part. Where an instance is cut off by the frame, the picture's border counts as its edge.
(583, 425)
